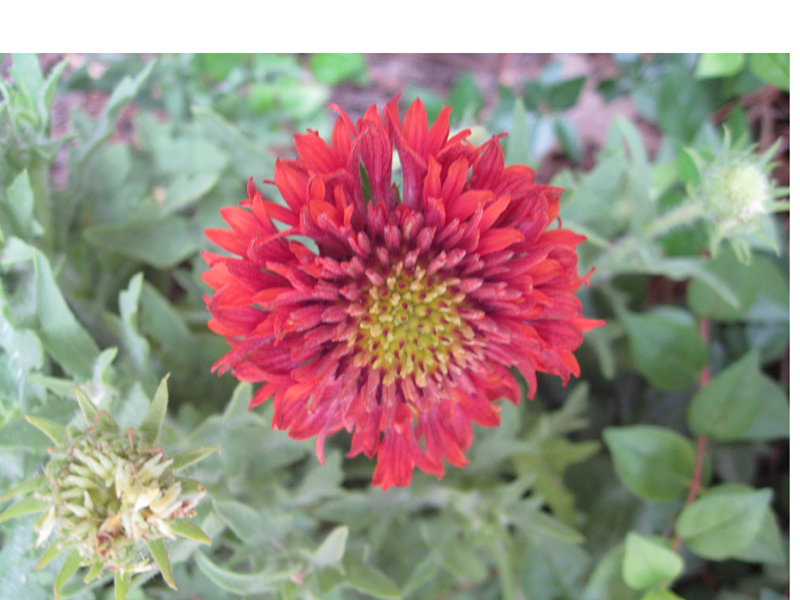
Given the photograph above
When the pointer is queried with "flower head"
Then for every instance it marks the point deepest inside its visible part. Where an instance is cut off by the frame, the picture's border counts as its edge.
(736, 191)
(106, 494)
(400, 321)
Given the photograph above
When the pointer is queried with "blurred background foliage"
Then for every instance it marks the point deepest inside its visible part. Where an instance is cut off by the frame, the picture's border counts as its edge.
(111, 167)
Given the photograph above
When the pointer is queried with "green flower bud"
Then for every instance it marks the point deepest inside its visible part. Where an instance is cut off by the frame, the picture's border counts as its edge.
(736, 192)
(108, 494)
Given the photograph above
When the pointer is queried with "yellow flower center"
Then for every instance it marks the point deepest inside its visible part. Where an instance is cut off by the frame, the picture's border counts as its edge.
(412, 327)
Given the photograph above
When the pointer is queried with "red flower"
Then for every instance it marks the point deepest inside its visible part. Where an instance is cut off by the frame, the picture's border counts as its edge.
(401, 323)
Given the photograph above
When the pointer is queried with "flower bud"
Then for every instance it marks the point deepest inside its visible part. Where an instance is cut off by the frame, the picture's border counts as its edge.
(107, 493)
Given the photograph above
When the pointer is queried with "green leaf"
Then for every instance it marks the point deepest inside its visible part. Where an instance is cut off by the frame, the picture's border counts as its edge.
(27, 73)
(728, 407)
(552, 569)
(122, 583)
(159, 551)
(71, 566)
(519, 138)
(333, 69)
(194, 455)
(605, 581)
(151, 425)
(63, 337)
(23, 488)
(719, 64)
(241, 584)
(368, 579)
(719, 525)
(162, 243)
(18, 207)
(666, 347)
(48, 555)
(568, 138)
(661, 595)
(772, 68)
(563, 95)
(52, 430)
(757, 285)
(331, 551)
(647, 562)
(25, 506)
(767, 546)
(88, 409)
(653, 462)
(185, 528)
(466, 99)
(94, 571)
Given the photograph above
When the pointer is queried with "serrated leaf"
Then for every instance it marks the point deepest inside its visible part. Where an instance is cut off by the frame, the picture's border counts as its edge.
(159, 551)
(151, 425)
(25, 506)
(647, 562)
(728, 407)
(185, 528)
(368, 579)
(666, 347)
(51, 429)
(331, 551)
(71, 566)
(189, 457)
(653, 462)
(718, 525)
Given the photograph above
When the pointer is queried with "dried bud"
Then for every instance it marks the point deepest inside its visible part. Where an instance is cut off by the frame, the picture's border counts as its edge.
(108, 493)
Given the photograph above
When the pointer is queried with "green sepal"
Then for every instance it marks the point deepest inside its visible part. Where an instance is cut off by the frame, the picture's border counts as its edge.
(88, 409)
(48, 555)
(23, 507)
(122, 583)
(94, 571)
(159, 551)
(190, 485)
(50, 428)
(151, 426)
(189, 457)
(185, 528)
(23, 488)
(71, 566)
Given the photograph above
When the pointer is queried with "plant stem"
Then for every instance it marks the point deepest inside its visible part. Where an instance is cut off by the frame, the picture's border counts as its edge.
(702, 441)
(626, 246)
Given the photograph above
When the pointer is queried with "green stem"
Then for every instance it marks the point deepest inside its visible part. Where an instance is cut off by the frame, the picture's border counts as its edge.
(627, 246)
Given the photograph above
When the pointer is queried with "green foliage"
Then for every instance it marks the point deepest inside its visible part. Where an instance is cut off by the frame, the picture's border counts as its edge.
(655, 463)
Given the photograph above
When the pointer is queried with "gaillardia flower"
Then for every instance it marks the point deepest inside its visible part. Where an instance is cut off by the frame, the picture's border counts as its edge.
(400, 321)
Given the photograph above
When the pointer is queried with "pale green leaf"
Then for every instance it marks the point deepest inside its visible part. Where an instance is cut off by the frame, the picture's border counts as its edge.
(159, 551)
(648, 562)
(189, 457)
(51, 429)
(71, 566)
(151, 425)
